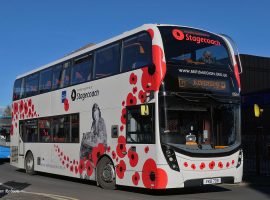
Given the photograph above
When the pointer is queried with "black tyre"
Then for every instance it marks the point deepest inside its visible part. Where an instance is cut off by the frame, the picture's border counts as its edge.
(106, 174)
(29, 164)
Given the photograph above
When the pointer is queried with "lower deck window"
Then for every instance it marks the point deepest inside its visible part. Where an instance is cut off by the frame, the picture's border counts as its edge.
(141, 124)
(56, 129)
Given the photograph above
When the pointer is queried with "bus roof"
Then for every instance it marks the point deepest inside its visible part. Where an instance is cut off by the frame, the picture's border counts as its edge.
(92, 46)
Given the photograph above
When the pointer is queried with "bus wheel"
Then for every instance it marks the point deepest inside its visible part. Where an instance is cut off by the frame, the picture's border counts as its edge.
(29, 164)
(106, 174)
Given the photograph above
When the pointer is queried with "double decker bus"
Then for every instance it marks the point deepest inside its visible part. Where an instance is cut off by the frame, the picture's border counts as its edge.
(156, 107)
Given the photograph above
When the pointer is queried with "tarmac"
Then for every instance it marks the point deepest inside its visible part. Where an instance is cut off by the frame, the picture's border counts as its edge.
(9, 193)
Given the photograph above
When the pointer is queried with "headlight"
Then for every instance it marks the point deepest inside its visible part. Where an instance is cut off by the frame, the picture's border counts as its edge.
(170, 157)
(240, 156)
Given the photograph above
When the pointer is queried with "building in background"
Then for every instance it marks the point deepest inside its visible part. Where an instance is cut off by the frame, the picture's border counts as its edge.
(255, 81)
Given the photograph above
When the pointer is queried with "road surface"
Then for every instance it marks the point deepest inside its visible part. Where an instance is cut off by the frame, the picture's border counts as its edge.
(15, 184)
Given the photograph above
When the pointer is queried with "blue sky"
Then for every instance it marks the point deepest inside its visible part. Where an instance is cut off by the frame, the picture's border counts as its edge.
(34, 33)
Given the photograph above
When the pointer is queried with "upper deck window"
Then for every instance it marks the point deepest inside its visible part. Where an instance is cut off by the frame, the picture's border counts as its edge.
(18, 90)
(61, 75)
(81, 70)
(57, 72)
(194, 47)
(136, 52)
(45, 83)
(107, 61)
(32, 85)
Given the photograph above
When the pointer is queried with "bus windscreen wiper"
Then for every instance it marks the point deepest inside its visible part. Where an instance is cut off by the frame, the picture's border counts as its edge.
(182, 97)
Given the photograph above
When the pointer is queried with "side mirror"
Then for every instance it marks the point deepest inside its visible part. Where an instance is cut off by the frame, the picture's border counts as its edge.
(257, 110)
(144, 110)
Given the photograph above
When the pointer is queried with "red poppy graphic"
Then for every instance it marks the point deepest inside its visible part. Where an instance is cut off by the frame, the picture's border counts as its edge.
(113, 155)
(133, 79)
(228, 164)
(89, 168)
(21, 106)
(108, 149)
(76, 169)
(81, 166)
(193, 166)
(121, 146)
(232, 162)
(25, 108)
(123, 103)
(65, 157)
(152, 176)
(151, 32)
(131, 100)
(133, 157)
(121, 128)
(120, 169)
(33, 107)
(123, 116)
(185, 164)
(134, 90)
(142, 96)
(63, 162)
(15, 106)
(212, 165)
(29, 102)
(67, 165)
(29, 112)
(136, 178)
(220, 165)
(66, 105)
(71, 168)
(151, 79)
(146, 149)
(97, 152)
(202, 165)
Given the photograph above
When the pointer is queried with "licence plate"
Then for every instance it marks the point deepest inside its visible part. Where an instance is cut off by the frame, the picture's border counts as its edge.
(211, 181)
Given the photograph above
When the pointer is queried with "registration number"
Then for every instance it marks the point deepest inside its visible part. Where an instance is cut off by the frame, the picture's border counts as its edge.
(211, 181)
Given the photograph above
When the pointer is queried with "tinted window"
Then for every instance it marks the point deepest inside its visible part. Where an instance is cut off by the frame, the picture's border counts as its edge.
(140, 127)
(17, 89)
(194, 47)
(45, 83)
(57, 72)
(32, 85)
(45, 132)
(81, 70)
(65, 77)
(107, 61)
(29, 131)
(136, 52)
(75, 128)
(61, 129)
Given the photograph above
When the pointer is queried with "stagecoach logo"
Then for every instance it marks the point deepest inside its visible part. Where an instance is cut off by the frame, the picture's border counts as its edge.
(82, 94)
(180, 35)
(64, 96)
(73, 95)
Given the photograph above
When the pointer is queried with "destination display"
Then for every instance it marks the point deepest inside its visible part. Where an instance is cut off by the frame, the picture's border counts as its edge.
(205, 84)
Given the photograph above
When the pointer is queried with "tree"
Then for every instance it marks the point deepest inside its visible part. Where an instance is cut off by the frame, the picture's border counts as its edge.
(7, 111)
